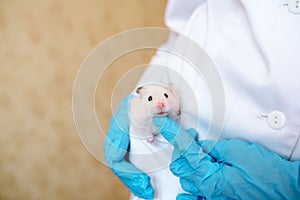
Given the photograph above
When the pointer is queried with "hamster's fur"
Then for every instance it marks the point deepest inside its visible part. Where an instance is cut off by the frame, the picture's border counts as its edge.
(153, 100)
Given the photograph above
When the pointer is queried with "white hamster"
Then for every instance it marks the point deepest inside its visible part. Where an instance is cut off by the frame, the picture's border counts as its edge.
(153, 100)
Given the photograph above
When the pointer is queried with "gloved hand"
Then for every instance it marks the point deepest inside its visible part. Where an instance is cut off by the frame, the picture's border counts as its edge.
(233, 169)
(115, 149)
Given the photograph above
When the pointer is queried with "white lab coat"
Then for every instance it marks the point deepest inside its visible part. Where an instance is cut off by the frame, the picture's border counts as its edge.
(255, 46)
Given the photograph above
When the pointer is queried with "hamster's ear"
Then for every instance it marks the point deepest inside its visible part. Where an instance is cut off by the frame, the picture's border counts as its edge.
(139, 90)
(170, 85)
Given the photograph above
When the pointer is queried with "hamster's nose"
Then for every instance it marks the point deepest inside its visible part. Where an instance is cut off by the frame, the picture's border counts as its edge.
(160, 104)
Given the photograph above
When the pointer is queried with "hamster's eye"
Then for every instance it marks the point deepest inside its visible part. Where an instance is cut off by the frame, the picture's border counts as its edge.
(166, 95)
(150, 98)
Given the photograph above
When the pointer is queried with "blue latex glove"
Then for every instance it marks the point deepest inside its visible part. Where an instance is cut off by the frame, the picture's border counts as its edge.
(234, 169)
(115, 148)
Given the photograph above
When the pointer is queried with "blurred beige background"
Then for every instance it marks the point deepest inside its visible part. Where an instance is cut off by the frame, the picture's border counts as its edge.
(43, 43)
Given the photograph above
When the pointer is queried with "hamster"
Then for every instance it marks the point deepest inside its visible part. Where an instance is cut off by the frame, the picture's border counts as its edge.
(153, 100)
(149, 151)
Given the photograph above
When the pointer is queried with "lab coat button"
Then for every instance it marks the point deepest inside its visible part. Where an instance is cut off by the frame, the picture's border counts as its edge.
(294, 6)
(276, 120)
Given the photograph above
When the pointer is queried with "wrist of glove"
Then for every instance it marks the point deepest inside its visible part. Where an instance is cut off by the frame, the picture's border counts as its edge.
(115, 149)
(233, 168)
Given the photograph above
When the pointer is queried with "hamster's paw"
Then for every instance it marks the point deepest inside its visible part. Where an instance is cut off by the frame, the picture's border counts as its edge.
(151, 140)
